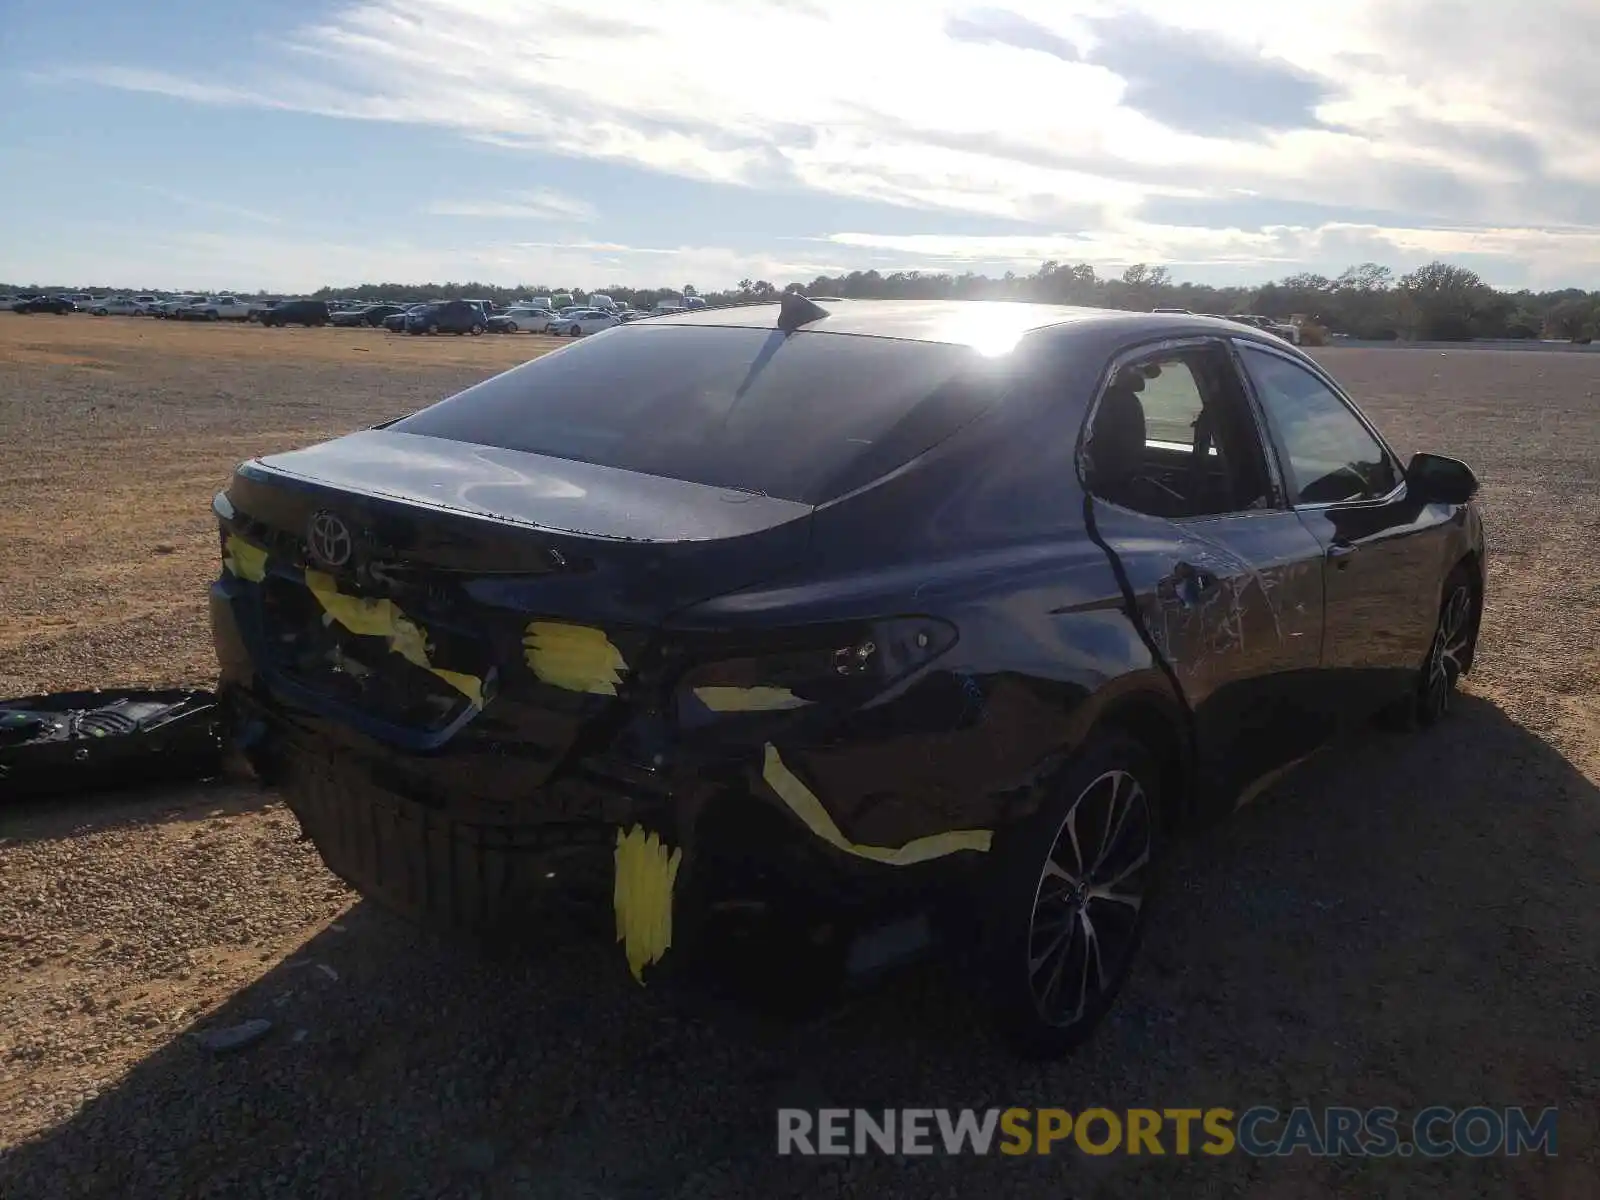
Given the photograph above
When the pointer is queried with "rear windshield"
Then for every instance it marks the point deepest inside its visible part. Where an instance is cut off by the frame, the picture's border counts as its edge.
(806, 417)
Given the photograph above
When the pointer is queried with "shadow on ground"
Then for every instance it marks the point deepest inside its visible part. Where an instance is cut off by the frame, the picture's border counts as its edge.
(56, 817)
(1397, 924)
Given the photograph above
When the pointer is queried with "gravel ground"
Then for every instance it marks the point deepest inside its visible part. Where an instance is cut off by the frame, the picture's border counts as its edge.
(1404, 921)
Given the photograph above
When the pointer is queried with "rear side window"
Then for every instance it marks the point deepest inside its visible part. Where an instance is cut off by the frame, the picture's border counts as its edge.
(1171, 403)
(805, 417)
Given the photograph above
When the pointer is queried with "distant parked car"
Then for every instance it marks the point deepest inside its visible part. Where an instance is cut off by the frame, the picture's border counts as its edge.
(170, 308)
(121, 306)
(371, 314)
(449, 316)
(216, 308)
(59, 305)
(297, 312)
(559, 320)
(520, 319)
(396, 322)
(262, 306)
(591, 320)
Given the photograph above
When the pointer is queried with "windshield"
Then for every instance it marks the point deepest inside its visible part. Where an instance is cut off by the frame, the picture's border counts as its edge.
(805, 417)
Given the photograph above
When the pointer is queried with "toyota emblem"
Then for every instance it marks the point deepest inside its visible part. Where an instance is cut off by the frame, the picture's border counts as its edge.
(330, 540)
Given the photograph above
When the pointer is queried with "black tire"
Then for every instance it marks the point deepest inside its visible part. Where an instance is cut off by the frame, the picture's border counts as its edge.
(476, 330)
(211, 316)
(1064, 921)
(576, 331)
(433, 329)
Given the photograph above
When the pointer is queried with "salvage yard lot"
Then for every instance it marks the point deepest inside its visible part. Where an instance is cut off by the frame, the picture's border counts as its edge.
(1404, 922)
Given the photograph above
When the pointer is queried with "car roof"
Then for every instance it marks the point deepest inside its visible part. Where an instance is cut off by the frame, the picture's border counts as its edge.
(998, 323)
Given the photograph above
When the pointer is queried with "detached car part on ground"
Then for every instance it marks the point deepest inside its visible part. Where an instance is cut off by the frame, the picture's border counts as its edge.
(901, 619)
(71, 742)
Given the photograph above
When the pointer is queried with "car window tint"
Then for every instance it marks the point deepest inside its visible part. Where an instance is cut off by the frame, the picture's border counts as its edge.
(802, 417)
(1331, 456)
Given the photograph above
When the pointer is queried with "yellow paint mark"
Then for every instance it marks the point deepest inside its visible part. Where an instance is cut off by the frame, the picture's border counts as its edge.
(574, 657)
(645, 874)
(748, 699)
(245, 560)
(383, 618)
(805, 805)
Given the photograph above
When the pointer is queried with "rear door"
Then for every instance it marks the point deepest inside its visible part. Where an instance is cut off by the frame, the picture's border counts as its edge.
(1382, 551)
(1225, 577)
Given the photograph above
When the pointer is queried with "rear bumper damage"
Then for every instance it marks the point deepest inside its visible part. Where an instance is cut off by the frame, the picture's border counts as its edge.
(463, 826)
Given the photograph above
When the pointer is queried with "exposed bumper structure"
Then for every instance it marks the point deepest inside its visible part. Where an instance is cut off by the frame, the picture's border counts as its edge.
(447, 831)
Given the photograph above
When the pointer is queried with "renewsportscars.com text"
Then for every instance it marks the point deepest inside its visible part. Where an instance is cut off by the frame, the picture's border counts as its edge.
(1263, 1132)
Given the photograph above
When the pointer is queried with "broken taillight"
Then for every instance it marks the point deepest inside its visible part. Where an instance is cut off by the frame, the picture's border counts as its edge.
(841, 667)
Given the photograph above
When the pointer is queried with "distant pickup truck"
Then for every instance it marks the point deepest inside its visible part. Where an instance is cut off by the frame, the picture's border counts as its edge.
(216, 308)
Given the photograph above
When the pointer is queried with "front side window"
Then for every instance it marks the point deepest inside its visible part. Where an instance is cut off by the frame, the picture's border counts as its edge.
(1331, 457)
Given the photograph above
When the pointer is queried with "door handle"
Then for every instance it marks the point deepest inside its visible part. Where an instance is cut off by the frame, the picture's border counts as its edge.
(1186, 584)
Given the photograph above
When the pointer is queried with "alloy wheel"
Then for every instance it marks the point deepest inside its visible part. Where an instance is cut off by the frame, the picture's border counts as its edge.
(1087, 904)
(1452, 641)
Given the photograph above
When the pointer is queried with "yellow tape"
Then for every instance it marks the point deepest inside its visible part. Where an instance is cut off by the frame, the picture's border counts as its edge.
(805, 805)
(245, 560)
(574, 657)
(748, 699)
(383, 618)
(645, 875)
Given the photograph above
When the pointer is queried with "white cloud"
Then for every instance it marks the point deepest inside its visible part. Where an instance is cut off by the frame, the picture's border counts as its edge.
(540, 205)
(1442, 113)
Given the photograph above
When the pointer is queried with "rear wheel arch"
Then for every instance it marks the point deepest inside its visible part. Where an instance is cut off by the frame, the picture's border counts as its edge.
(1161, 727)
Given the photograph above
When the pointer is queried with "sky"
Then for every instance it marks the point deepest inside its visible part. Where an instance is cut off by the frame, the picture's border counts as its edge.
(300, 143)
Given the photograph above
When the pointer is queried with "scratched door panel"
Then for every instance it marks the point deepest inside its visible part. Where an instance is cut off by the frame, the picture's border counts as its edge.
(1242, 634)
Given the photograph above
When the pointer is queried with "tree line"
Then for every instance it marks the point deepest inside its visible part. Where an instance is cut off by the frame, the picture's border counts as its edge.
(1436, 302)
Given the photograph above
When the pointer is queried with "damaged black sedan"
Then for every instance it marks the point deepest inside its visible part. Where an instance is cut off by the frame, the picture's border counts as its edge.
(927, 622)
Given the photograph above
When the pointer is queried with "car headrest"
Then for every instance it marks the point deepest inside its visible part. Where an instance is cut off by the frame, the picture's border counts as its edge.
(1116, 444)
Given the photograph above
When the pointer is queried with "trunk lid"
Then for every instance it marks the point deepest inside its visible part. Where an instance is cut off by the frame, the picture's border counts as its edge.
(423, 591)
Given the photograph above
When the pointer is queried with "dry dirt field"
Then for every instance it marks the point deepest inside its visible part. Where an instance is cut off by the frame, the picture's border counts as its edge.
(1404, 921)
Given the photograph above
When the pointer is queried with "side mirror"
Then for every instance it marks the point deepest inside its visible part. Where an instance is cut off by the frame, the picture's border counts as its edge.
(1435, 479)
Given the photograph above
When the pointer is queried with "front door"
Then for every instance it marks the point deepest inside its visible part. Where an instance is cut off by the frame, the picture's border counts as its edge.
(1381, 579)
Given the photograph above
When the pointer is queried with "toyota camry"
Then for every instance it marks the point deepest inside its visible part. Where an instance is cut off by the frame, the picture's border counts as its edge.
(924, 624)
